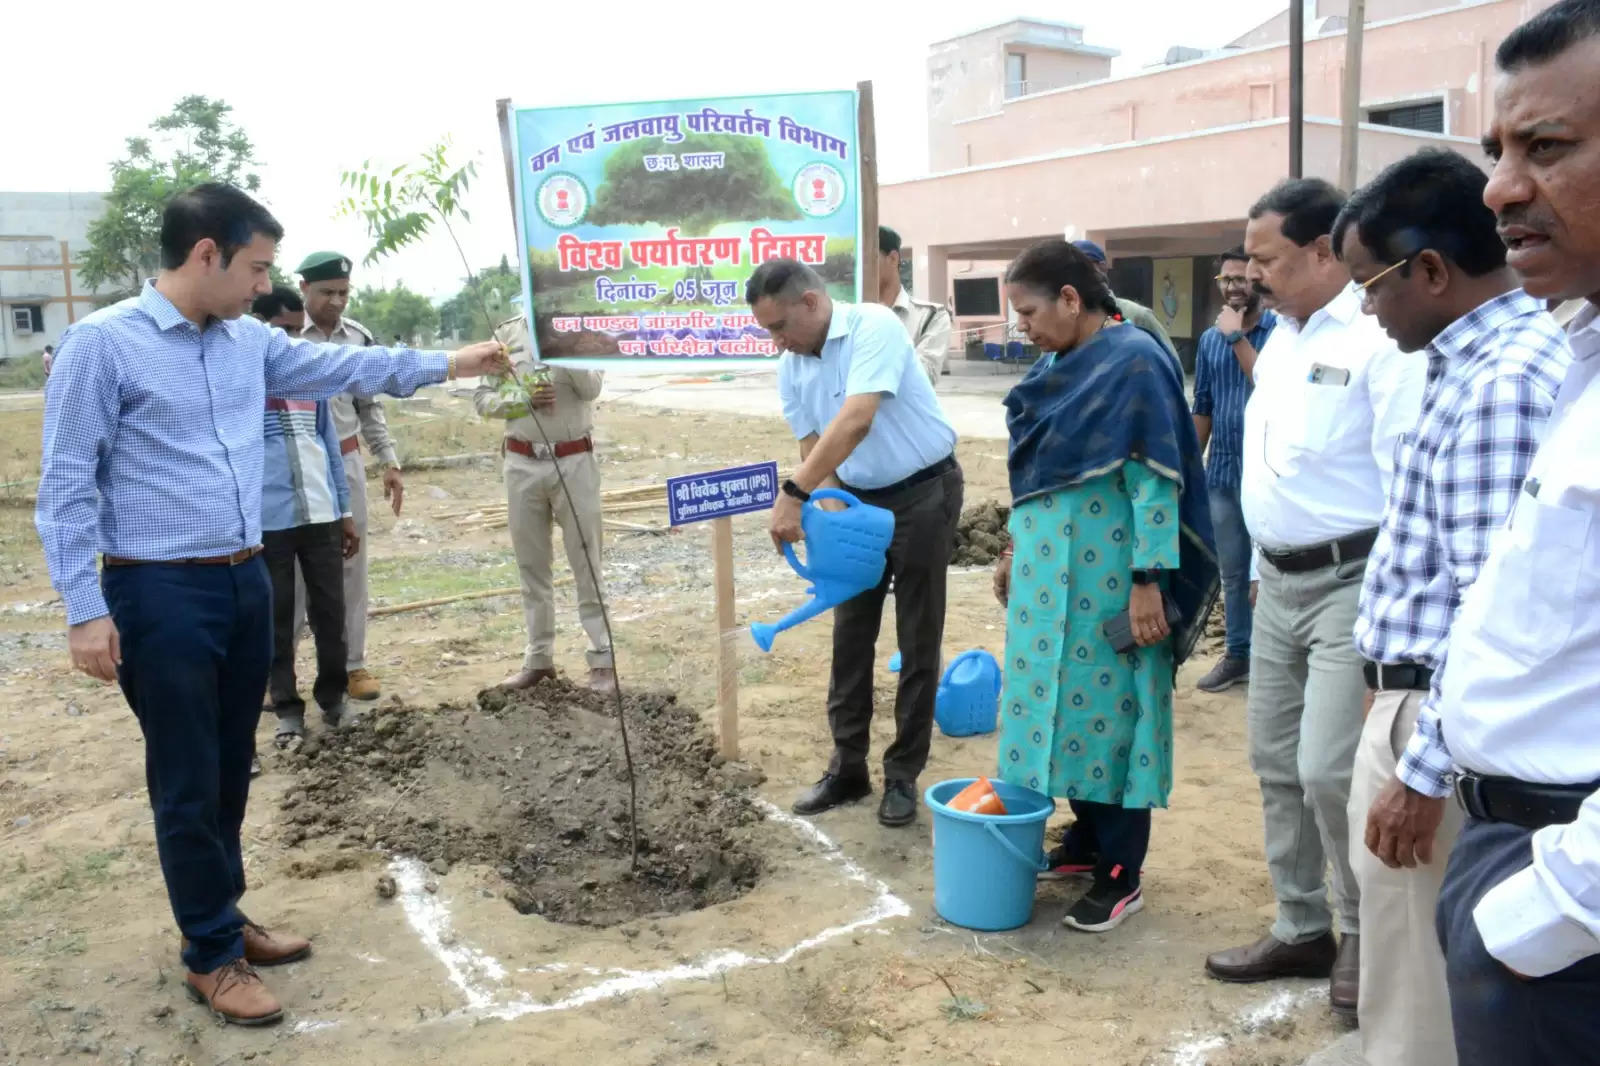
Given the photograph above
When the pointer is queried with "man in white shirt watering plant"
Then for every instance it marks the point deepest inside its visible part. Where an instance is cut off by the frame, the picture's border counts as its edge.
(1332, 396)
(1513, 726)
(865, 414)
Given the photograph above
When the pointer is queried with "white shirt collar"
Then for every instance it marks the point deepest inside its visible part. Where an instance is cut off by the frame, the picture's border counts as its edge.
(1584, 332)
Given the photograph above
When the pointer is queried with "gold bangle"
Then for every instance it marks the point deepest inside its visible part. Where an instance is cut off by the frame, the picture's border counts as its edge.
(450, 369)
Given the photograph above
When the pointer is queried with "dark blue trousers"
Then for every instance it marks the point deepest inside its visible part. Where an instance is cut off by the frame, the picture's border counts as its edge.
(196, 650)
(1500, 1019)
(1120, 834)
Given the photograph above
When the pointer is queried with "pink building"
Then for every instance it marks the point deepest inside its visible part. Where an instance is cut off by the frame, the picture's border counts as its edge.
(1030, 137)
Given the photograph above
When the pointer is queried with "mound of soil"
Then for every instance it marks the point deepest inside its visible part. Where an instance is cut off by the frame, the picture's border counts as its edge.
(535, 785)
(981, 534)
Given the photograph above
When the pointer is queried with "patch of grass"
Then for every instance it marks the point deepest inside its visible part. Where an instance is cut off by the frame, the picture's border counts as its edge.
(72, 876)
(963, 1009)
(440, 429)
(405, 579)
(23, 372)
(20, 554)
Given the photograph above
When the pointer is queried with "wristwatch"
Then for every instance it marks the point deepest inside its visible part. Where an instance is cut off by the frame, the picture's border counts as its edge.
(1235, 337)
(1143, 577)
(791, 489)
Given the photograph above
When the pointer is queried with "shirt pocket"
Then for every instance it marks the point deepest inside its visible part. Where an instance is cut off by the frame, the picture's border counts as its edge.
(1322, 406)
(1535, 594)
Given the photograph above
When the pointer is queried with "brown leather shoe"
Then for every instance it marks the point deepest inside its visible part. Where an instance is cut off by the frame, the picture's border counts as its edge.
(603, 679)
(527, 678)
(265, 948)
(1344, 986)
(1270, 958)
(235, 994)
(361, 685)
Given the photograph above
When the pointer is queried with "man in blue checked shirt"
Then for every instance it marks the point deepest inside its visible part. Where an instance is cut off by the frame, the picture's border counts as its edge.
(1223, 366)
(152, 458)
(307, 528)
(1432, 269)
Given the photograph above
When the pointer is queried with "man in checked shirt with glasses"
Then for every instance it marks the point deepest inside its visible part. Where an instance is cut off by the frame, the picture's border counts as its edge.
(1432, 269)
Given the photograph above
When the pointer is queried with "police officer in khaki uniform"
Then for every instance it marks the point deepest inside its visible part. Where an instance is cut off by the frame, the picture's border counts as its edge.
(561, 404)
(325, 286)
(929, 324)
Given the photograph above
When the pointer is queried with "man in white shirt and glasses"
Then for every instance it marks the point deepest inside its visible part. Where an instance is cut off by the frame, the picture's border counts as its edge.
(1514, 726)
(1332, 396)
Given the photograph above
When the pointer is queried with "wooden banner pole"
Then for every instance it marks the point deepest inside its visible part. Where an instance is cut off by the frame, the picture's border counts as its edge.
(867, 134)
(727, 642)
(502, 111)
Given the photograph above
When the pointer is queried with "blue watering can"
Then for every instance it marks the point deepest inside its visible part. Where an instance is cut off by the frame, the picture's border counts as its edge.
(845, 556)
(968, 700)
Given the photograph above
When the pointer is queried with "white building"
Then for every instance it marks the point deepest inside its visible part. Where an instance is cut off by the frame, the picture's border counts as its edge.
(42, 237)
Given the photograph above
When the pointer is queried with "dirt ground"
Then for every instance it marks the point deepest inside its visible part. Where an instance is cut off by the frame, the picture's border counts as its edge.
(821, 944)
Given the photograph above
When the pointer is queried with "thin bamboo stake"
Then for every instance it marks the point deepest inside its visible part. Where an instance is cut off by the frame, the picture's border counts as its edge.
(440, 601)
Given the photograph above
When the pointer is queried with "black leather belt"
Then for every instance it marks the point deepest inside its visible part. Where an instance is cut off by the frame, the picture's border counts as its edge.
(927, 473)
(1505, 799)
(1322, 556)
(1390, 676)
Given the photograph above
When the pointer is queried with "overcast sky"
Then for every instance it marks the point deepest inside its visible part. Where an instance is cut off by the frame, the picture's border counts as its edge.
(321, 87)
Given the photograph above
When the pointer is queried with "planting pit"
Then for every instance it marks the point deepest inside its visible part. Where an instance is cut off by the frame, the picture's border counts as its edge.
(534, 785)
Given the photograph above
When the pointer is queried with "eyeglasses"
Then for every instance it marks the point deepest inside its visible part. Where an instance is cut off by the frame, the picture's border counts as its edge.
(1227, 280)
(1365, 285)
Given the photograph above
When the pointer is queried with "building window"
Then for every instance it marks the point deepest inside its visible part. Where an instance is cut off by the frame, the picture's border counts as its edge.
(977, 297)
(1425, 117)
(27, 318)
(1016, 74)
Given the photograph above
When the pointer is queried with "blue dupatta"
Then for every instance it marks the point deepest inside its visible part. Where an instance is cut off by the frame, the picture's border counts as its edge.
(1082, 414)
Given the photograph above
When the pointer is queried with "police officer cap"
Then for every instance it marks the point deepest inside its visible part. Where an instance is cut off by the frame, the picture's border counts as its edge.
(324, 266)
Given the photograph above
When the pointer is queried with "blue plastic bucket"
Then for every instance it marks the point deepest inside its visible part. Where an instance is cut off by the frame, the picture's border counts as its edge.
(985, 866)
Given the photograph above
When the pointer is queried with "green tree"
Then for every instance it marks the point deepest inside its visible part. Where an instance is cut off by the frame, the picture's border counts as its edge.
(400, 207)
(196, 142)
(490, 289)
(747, 186)
(389, 313)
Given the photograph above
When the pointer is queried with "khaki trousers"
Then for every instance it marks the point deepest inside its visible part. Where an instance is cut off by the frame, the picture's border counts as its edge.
(355, 567)
(1405, 1003)
(535, 503)
(1304, 707)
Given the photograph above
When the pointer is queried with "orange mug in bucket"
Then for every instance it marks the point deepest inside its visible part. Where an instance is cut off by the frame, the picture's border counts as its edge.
(978, 798)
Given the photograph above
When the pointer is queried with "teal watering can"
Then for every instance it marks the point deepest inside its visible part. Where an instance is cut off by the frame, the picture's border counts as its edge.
(846, 552)
(968, 699)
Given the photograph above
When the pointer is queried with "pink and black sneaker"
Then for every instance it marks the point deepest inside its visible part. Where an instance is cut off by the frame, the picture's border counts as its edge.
(1108, 904)
(1068, 860)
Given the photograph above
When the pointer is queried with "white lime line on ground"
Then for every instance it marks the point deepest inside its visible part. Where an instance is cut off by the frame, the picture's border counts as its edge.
(1196, 1050)
(480, 978)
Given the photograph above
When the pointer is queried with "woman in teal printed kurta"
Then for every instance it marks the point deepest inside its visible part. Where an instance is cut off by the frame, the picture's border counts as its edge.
(1109, 516)
(1080, 721)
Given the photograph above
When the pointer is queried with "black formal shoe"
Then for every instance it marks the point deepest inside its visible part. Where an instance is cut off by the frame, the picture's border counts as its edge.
(831, 791)
(899, 806)
(1270, 958)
